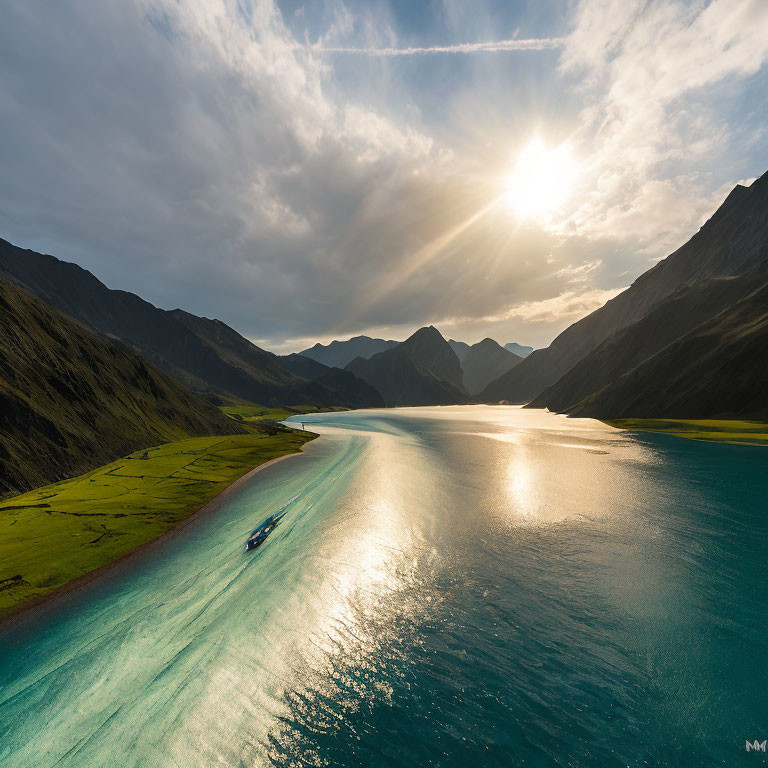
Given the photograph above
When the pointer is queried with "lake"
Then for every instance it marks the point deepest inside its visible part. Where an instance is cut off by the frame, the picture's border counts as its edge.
(489, 586)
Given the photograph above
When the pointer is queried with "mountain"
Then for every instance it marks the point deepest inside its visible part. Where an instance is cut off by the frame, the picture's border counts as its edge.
(303, 366)
(732, 242)
(518, 349)
(484, 362)
(460, 348)
(70, 400)
(313, 384)
(672, 319)
(354, 392)
(338, 353)
(206, 355)
(422, 370)
(718, 370)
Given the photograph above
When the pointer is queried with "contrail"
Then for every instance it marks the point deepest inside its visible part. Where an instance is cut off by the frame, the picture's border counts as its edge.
(536, 44)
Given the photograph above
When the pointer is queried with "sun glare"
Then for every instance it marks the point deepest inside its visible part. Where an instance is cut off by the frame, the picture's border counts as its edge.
(541, 181)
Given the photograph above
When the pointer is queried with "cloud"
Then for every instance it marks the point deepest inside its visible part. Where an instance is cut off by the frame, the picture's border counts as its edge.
(579, 273)
(198, 155)
(208, 155)
(568, 306)
(535, 44)
(651, 131)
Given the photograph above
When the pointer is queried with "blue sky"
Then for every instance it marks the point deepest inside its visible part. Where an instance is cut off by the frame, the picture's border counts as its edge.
(232, 159)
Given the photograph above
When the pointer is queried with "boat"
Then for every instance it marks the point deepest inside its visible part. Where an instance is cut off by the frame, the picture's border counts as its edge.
(259, 535)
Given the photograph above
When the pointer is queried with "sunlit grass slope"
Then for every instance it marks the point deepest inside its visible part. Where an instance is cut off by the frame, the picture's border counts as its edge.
(715, 430)
(52, 535)
(254, 414)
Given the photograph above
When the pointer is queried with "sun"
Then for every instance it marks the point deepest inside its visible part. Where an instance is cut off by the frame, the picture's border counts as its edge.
(541, 182)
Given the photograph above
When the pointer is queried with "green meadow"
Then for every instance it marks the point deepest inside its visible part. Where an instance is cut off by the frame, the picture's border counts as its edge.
(52, 535)
(714, 430)
(254, 414)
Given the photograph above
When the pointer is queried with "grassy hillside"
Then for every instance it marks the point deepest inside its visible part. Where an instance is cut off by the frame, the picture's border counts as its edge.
(70, 400)
(711, 430)
(255, 414)
(55, 534)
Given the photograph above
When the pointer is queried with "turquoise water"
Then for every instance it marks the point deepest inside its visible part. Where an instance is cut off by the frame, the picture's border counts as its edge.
(449, 587)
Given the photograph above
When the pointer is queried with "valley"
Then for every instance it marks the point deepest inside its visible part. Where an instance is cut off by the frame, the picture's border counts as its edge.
(383, 384)
(681, 351)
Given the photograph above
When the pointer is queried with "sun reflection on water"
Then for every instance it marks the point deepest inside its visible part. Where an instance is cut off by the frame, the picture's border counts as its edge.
(420, 542)
(521, 489)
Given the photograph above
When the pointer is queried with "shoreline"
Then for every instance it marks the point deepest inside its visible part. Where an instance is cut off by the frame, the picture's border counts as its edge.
(719, 431)
(28, 610)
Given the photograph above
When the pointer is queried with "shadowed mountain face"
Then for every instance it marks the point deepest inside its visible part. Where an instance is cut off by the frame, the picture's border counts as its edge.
(460, 348)
(70, 400)
(302, 366)
(484, 362)
(696, 353)
(338, 353)
(620, 354)
(717, 370)
(733, 242)
(422, 370)
(355, 392)
(518, 349)
(206, 355)
(315, 383)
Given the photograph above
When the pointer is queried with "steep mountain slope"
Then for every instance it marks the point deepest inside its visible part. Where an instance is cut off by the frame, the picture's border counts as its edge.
(206, 355)
(433, 355)
(671, 319)
(70, 400)
(305, 367)
(422, 370)
(298, 383)
(338, 353)
(348, 389)
(485, 362)
(733, 242)
(518, 349)
(460, 348)
(258, 368)
(717, 370)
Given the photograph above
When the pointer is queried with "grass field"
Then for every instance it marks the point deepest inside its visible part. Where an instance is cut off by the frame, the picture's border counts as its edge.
(254, 414)
(59, 532)
(713, 430)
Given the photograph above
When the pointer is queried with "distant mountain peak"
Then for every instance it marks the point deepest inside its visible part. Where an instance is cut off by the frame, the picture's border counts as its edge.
(422, 370)
(427, 332)
(484, 362)
(338, 354)
(518, 349)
